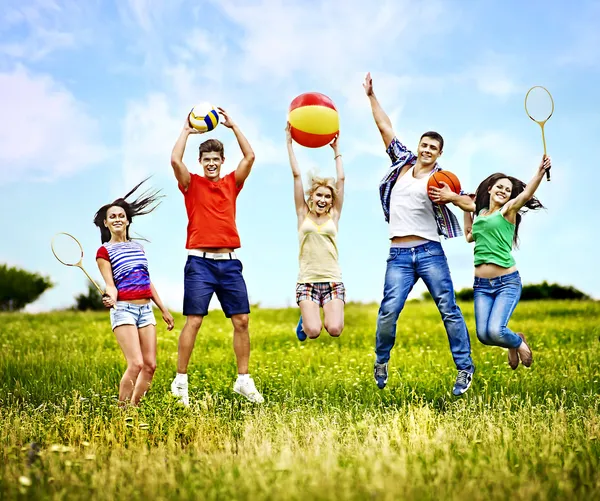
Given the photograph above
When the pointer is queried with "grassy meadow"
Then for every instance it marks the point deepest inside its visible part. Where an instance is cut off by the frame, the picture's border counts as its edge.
(324, 432)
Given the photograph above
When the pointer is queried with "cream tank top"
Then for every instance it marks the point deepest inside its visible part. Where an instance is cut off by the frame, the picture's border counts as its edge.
(411, 210)
(318, 252)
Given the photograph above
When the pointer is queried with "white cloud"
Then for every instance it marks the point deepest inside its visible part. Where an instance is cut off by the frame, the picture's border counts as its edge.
(45, 132)
(40, 27)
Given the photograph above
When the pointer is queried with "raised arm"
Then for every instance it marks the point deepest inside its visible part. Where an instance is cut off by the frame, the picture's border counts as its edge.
(513, 206)
(245, 166)
(340, 177)
(167, 317)
(180, 170)
(384, 124)
(300, 202)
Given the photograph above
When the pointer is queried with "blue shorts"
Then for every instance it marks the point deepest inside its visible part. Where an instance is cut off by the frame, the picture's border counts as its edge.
(204, 276)
(124, 313)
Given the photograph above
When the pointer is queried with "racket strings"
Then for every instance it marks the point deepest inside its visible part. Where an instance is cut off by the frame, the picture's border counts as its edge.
(67, 249)
(539, 104)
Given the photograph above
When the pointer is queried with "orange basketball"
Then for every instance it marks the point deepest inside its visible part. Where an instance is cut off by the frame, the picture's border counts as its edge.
(444, 176)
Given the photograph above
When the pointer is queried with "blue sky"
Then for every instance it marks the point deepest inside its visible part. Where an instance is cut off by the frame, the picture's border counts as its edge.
(94, 95)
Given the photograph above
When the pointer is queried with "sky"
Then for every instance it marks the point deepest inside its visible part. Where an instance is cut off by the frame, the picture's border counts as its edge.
(94, 95)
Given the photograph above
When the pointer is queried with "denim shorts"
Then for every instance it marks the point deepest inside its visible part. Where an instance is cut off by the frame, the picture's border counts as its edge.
(124, 313)
(204, 277)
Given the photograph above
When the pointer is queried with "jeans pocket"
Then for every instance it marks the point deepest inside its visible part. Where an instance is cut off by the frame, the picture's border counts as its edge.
(392, 255)
(434, 250)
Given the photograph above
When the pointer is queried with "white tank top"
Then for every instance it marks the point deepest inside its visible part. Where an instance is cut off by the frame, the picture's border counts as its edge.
(411, 211)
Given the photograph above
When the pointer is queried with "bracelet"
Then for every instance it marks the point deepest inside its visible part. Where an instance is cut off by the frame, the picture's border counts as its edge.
(338, 155)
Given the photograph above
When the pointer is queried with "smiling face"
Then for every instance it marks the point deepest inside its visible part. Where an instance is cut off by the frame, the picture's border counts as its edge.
(321, 200)
(429, 151)
(211, 162)
(500, 192)
(116, 220)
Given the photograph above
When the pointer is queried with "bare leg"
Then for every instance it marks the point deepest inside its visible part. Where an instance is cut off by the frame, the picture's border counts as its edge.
(128, 339)
(311, 318)
(147, 336)
(334, 317)
(187, 338)
(241, 341)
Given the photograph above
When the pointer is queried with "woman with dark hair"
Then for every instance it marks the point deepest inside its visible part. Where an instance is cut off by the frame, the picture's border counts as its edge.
(124, 267)
(500, 201)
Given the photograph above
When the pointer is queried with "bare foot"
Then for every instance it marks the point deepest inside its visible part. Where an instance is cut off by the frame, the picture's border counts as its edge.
(524, 351)
(513, 358)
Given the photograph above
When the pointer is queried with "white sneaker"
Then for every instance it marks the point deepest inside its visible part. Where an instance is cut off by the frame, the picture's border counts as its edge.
(181, 391)
(246, 388)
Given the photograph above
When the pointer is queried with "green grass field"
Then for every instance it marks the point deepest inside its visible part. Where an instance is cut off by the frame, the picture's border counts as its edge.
(325, 430)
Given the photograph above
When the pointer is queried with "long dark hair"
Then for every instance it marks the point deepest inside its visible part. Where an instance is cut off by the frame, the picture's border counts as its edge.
(143, 204)
(482, 198)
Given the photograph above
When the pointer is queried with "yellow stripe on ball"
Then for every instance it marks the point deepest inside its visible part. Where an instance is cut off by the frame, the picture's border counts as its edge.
(315, 119)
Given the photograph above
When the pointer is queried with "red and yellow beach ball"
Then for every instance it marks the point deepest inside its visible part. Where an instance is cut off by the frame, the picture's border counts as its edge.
(314, 120)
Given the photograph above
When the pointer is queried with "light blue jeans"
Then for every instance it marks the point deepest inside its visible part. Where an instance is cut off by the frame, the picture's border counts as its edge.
(495, 300)
(404, 268)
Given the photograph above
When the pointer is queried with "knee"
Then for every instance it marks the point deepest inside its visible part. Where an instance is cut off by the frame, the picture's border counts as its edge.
(135, 366)
(334, 330)
(449, 310)
(496, 333)
(150, 367)
(194, 322)
(240, 322)
(312, 331)
(483, 337)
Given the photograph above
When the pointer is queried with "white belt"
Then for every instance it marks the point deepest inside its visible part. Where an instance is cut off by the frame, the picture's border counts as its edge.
(212, 255)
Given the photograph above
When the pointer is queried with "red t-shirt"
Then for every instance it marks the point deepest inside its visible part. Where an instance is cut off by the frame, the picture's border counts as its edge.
(210, 208)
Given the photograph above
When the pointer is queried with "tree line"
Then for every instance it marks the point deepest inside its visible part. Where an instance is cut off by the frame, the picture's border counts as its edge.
(18, 288)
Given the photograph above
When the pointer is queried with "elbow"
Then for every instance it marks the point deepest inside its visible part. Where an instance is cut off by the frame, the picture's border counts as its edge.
(175, 163)
(250, 157)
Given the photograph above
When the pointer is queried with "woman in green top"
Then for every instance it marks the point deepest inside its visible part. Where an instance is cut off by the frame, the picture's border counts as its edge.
(499, 202)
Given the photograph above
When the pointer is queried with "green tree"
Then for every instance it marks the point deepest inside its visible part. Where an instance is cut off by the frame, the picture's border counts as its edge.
(92, 300)
(18, 287)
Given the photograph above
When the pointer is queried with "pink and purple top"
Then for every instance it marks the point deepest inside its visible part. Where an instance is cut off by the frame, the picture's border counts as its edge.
(130, 269)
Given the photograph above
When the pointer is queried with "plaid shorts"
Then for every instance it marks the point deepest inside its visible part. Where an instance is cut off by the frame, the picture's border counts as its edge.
(320, 292)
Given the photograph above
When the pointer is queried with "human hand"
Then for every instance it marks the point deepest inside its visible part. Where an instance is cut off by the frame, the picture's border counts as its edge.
(368, 84)
(226, 120)
(168, 318)
(441, 195)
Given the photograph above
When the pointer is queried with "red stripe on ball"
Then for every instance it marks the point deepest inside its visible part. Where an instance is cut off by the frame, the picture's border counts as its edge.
(311, 140)
(312, 99)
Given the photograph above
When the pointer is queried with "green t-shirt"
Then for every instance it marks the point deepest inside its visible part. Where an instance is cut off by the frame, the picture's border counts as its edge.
(493, 236)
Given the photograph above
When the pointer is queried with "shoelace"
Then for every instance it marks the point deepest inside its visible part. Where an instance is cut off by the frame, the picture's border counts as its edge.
(380, 370)
(463, 377)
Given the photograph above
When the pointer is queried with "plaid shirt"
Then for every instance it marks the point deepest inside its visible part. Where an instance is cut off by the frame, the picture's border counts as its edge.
(446, 221)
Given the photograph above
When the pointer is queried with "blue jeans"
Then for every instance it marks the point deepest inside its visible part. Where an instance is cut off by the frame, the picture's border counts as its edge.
(495, 300)
(404, 268)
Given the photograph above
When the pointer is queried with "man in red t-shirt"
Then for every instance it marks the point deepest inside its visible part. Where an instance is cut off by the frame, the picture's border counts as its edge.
(212, 266)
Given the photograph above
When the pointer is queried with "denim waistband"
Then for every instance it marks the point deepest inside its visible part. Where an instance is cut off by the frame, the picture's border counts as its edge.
(133, 305)
(502, 279)
(417, 248)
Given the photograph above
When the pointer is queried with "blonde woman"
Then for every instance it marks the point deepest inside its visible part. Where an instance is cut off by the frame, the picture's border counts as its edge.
(319, 282)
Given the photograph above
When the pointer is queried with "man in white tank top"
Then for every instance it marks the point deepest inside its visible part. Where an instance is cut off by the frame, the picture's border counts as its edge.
(415, 226)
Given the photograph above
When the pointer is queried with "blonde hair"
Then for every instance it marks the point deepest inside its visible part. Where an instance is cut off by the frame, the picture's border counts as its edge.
(317, 182)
